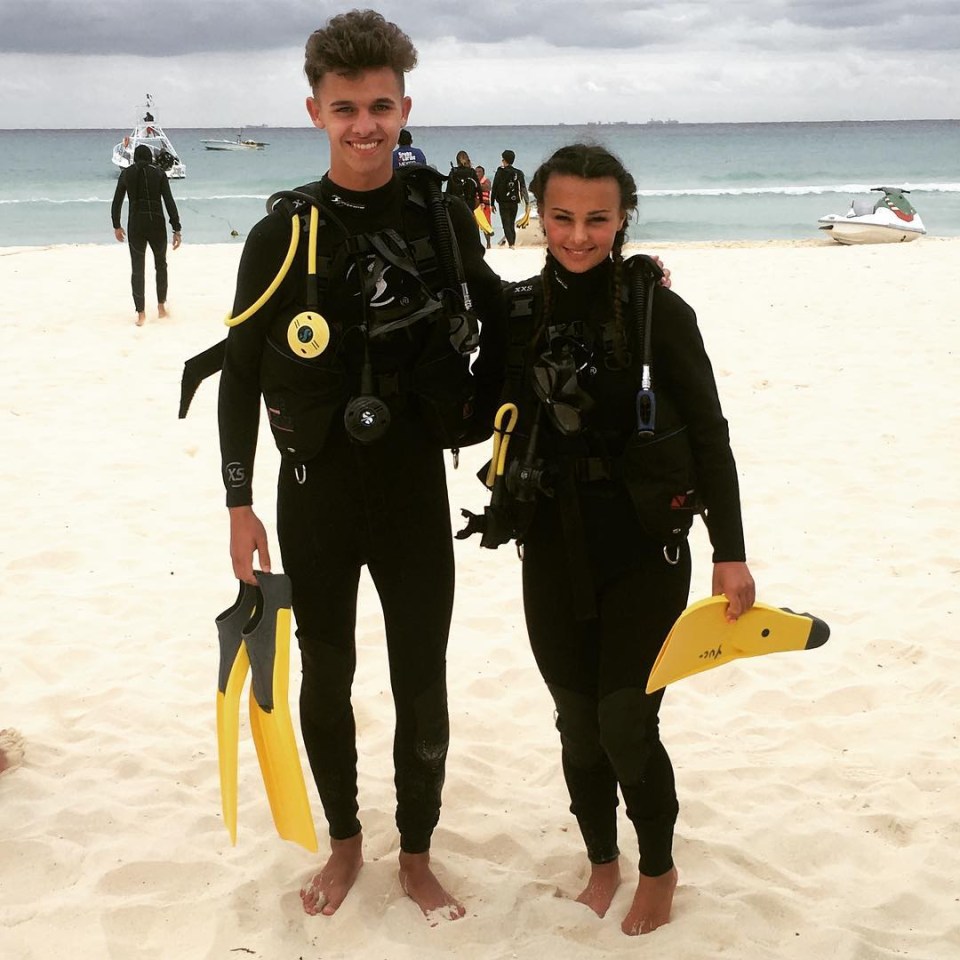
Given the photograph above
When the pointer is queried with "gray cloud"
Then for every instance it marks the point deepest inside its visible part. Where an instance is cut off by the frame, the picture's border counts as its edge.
(879, 24)
(164, 28)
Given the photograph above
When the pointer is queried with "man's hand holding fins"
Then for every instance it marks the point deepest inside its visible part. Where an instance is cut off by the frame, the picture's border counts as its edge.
(247, 537)
(734, 581)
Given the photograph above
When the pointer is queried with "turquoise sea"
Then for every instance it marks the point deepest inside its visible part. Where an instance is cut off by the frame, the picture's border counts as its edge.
(697, 181)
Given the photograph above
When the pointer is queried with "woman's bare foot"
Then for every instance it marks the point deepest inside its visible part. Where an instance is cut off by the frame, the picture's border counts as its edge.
(328, 889)
(141, 318)
(421, 885)
(651, 904)
(600, 888)
(161, 310)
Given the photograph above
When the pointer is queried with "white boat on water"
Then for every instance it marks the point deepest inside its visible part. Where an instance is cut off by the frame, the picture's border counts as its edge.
(891, 219)
(239, 144)
(147, 131)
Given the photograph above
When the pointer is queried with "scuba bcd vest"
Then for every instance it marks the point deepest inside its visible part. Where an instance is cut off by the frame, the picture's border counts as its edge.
(412, 314)
(656, 465)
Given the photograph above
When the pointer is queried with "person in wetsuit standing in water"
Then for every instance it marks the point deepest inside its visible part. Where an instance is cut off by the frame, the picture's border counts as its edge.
(346, 499)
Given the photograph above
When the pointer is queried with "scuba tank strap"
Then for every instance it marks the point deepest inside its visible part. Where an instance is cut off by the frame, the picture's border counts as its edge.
(464, 327)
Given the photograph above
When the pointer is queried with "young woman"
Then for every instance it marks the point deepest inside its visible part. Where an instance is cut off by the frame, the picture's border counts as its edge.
(600, 589)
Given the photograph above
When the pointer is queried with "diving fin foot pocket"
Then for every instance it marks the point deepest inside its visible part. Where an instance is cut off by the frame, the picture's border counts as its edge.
(254, 637)
(702, 638)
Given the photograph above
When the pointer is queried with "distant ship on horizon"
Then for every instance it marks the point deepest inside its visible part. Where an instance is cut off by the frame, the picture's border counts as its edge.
(629, 123)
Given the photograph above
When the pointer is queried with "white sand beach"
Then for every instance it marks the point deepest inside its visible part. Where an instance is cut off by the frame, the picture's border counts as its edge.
(819, 791)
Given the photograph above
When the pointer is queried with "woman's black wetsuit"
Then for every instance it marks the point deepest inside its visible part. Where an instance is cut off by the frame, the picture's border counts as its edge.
(147, 188)
(382, 504)
(596, 667)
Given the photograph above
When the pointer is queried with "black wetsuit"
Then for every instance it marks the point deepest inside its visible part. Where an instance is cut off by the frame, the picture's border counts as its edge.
(383, 504)
(147, 189)
(462, 182)
(509, 188)
(596, 668)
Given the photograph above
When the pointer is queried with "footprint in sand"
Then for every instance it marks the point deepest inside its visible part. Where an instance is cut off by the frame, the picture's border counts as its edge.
(11, 749)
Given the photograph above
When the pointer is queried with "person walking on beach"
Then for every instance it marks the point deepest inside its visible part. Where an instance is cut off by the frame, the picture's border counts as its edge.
(484, 182)
(605, 575)
(147, 190)
(509, 188)
(405, 152)
(462, 181)
(361, 420)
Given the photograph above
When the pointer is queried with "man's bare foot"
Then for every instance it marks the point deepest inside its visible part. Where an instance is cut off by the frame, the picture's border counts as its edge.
(651, 904)
(328, 889)
(600, 888)
(161, 310)
(141, 318)
(421, 885)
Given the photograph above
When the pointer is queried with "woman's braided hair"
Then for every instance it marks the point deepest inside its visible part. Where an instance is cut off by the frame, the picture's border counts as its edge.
(589, 162)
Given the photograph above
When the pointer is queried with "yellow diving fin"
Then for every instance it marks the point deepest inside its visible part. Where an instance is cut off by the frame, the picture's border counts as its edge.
(482, 222)
(264, 648)
(702, 638)
(234, 665)
(525, 219)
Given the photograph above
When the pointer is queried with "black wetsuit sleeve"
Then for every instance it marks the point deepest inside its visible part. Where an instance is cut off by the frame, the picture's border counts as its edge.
(116, 208)
(239, 400)
(167, 195)
(524, 196)
(681, 364)
(486, 292)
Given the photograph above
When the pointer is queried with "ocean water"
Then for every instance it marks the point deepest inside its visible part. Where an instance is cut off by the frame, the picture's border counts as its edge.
(697, 181)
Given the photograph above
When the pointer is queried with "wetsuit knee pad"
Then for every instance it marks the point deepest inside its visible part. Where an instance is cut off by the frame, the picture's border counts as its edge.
(628, 730)
(433, 723)
(578, 726)
(327, 682)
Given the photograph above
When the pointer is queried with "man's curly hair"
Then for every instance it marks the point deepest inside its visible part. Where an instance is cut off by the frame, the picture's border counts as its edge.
(355, 41)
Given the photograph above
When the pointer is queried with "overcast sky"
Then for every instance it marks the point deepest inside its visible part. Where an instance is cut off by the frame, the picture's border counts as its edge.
(87, 63)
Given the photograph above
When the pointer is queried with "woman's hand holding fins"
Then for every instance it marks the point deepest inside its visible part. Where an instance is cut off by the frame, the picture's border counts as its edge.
(733, 579)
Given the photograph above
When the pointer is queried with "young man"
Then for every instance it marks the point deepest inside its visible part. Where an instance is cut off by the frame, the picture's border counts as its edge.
(406, 153)
(509, 188)
(349, 494)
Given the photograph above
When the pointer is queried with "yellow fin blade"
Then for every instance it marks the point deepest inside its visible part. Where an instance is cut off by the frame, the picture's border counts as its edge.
(702, 639)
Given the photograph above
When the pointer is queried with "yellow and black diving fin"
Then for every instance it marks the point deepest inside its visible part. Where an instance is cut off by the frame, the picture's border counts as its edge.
(482, 222)
(525, 219)
(234, 665)
(702, 638)
(260, 642)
